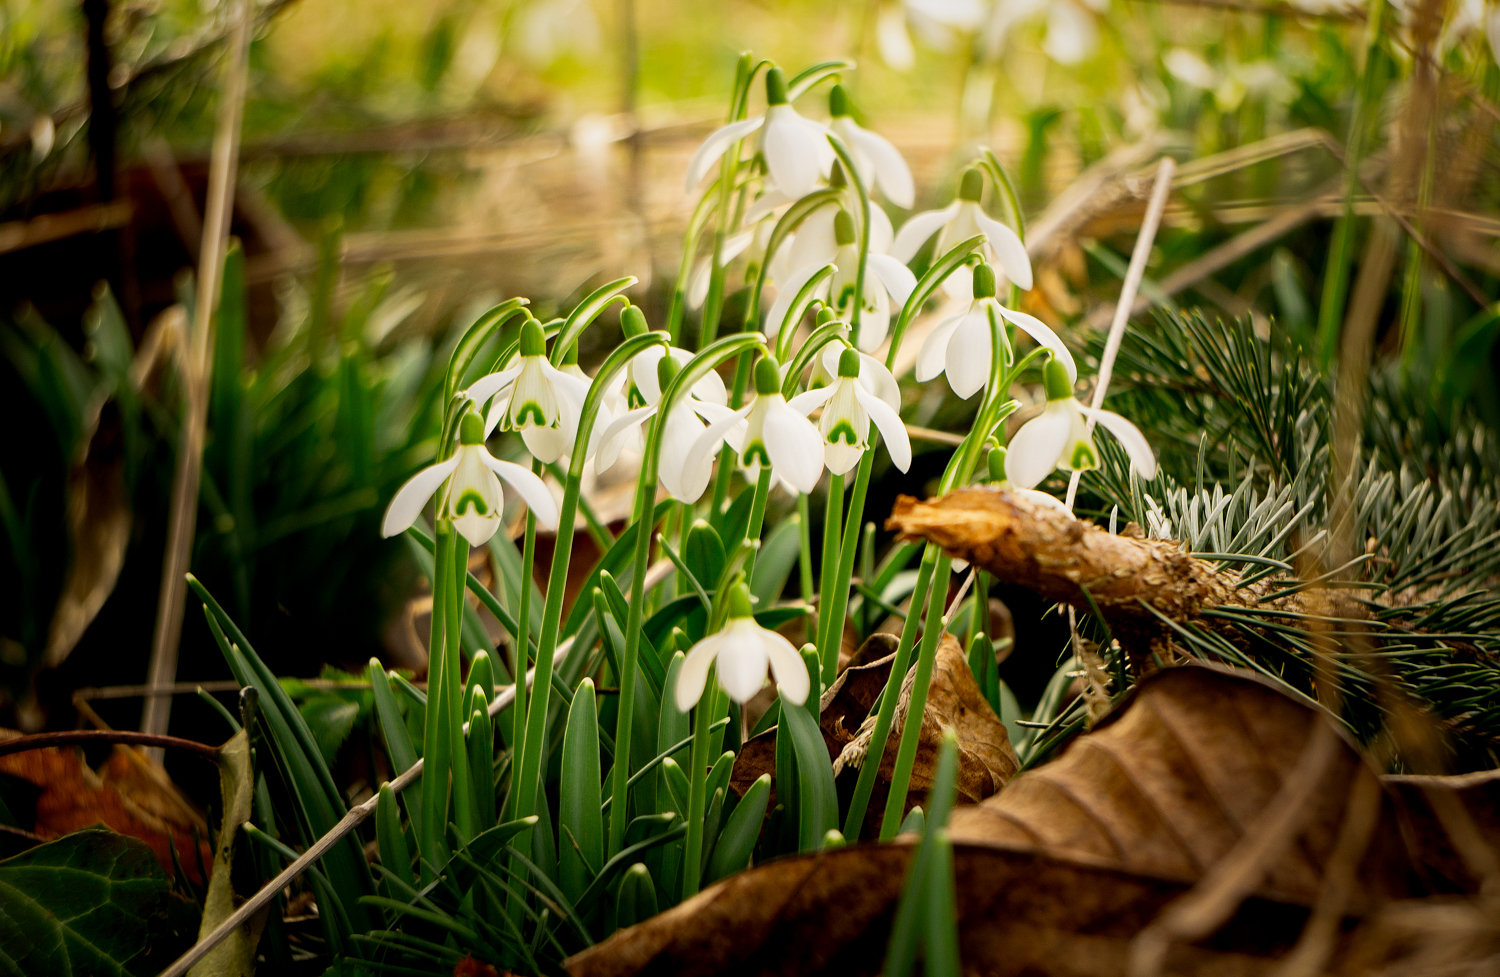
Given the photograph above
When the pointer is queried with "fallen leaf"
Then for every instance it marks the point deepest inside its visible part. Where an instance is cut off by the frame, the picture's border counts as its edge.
(99, 516)
(986, 759)
(235, 955)
(1058, 873)
(128, 794)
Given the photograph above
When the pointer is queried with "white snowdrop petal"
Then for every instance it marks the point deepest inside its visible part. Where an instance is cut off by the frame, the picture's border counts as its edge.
(915, 232)
(698, 285)
(933, 354)
(1042, 499)
(879, 381)
(707, 444)
(814, 244)
(613, 440)
(786, 294)
(1043, 334)
(787, 667)
(409, 499)
(888, 423)
(805, 402)
(967, 359)
(692, 676)
(742, 659)
(546, 444)
(1034, 450)
(790, 151)
(528, 486)
(487, 386)
(714, 146)
(1142, 460)
(1008, 249)
(895, 276)
(795, 447)
(891, 171)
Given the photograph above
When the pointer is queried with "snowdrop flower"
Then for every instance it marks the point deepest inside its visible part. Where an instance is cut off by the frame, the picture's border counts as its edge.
(873, 154)
(959, 221)
(473, 499)
(1072, 32)
(796, 150)
(962, 346)
(775, 433)
(535, 398)
(1059, 436)
(997, 478)
(742, 650)
(683, 425)
(934, 19)
(886, 280)
(848, 409)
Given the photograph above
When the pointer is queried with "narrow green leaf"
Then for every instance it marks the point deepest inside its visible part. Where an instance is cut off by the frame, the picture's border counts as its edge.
(390, 839)
(637, 898)
(817, 798)
(579, 803)
(737, 841)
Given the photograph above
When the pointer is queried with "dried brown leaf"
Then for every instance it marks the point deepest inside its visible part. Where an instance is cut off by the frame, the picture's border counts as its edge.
(1058, 873)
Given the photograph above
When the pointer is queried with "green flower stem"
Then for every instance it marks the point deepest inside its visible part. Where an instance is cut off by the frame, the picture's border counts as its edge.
(675, 311)
(726, 454)
(708, 327)
(906, 754)
(709, 706)
(835, 600)
(852, 173)
(804, 556)
(528, 773)
(437, 742)
(865, 785)
(757, 518)
(645, 494)
(464, 805)
(995, 407)
(789, 222)
(830, 633)
(521, 644)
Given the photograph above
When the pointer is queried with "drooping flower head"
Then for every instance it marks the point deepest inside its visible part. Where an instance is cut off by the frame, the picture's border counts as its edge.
(683, 425)
(795, 149)
(963, 346)
(776, 434)
(959, 221)
(849, 406)
(535, 399)
(1059, 437)
(743, 650)
(997, 456)
(878, 161)
(472, 498)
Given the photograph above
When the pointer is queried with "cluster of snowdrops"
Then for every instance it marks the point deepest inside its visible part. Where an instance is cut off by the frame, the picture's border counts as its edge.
(793, 206)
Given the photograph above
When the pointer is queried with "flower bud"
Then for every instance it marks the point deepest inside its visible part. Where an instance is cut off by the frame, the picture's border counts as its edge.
(972, 187)
(984, 281)
(1055, 378)
(825, 315)
(667, 369)
(775, 87)
(471, 428)
(997, 464)
(533, 340)
(838, 102)
(843, 228)
(633, 322)
(767, 377)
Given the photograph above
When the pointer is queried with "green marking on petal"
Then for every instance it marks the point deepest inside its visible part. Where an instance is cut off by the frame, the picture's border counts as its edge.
(1083, 457)
(635, 399)
(846, 296)
(468, 499)
(843, 431)
(529, 409)
(754, 454)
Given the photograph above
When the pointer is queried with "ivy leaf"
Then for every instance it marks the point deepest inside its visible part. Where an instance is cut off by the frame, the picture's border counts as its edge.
(92, 902)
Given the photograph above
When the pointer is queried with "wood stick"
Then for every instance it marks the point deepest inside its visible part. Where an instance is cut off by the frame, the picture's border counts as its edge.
(162, 668)
(1133, 276)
